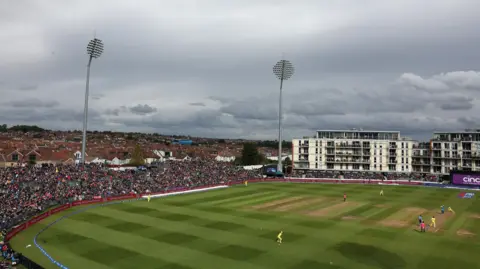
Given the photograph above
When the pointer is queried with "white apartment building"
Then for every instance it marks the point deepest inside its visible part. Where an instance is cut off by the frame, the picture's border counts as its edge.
(447, 151)
(353, 150)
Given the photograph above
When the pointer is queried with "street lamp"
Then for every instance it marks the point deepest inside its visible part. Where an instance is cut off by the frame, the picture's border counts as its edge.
(283, 70)
(94, 50)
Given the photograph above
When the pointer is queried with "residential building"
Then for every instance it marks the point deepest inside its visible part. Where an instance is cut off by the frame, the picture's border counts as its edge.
(354, 150)
(448, 151)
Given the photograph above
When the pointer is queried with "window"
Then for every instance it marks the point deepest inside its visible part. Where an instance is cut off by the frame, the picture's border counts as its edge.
(375, 159)
(329, 165)
(374, 166)
(15, 157)
(316, 165)
(32, 157)
(403, 152)
(403, 145)
(380, 167)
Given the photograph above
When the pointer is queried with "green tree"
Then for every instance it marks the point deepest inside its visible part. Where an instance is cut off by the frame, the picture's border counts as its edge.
(137, 156)
(3, 128)
(250, 154)
(26, 128)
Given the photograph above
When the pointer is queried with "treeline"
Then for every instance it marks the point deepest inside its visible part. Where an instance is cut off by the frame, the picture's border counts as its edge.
(251, 156)
(21, 128)
(274, 144)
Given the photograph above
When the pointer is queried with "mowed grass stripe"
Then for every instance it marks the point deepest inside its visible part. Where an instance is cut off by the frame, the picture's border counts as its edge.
(70, 258)
(234, 199)
(148, 247)
(221, 232)
(299, 205)
(210, 196)
(276, 203)
(258, 200)
(358, 211)
(101, 253)
(383, 214)
(252, 226)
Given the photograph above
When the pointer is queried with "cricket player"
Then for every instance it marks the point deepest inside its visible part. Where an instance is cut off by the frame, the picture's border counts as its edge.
(381, 192)
(451, 210)
(246, 183)
(422, 226)
(433, 224)
(344, 197)
(279, 237)
(442, 209)
(148, 198)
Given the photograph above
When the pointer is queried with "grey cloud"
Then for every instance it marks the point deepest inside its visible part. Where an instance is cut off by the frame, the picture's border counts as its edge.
(222, 100)
(253, 108)
(142, 109)
(357, 50)
(456, 106)
(33, 102)
(98, 96)
(197, 104)
(116, 111)
(55, 115)
(28, 88)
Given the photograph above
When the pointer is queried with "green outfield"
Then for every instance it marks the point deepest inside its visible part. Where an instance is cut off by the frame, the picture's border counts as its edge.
(236, 228)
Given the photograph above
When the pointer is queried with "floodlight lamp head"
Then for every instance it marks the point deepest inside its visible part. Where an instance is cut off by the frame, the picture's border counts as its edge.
(283, 69)
(95, 48)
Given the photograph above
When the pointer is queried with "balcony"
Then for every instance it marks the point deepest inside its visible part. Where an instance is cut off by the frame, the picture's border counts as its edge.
(303, 145)
(347, 146)
(392, 146)
(359, 161)
(425, 155)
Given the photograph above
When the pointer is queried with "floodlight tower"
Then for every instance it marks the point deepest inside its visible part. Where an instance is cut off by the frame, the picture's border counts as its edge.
(94, 50)
(283, 70)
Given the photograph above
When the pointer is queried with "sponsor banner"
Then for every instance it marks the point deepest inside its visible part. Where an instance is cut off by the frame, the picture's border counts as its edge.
(466, 179)
(466, 195)
(123, 197)
(157, 195)
(86, 202)
(15, 231)
(356, 181)
(60, 208)
(38, 218)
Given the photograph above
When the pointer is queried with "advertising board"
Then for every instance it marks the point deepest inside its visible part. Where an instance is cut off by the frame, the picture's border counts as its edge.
(465, 179)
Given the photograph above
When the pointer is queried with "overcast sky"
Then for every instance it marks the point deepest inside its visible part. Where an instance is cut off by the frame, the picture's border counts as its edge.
(204, 68)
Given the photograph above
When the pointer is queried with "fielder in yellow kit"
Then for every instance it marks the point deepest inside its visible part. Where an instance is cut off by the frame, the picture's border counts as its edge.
(279, 237)
(246, 183)
(381, 192)
(433, 224)
(451, 210)
(148, 198)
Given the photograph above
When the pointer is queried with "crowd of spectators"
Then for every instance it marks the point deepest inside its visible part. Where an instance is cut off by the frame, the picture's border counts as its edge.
(364, 175)
(27, 191)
